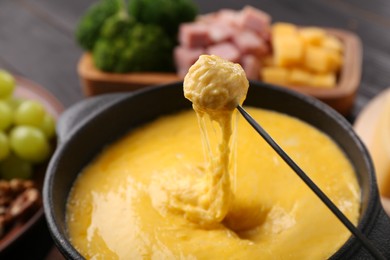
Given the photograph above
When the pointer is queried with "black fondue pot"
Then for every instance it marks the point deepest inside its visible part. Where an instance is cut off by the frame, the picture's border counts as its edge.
(87, 127)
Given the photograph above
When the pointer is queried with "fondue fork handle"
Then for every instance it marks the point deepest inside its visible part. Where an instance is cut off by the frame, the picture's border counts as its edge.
(320, 194)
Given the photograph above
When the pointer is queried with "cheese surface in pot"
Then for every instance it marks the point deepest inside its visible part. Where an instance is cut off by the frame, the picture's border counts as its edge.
(111, 210)
(173, 190)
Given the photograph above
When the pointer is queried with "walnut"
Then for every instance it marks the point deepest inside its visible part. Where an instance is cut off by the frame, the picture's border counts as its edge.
(18, 199)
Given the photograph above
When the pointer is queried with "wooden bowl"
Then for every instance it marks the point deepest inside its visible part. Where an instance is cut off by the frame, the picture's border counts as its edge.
(96, 82)
(341, 97)
(29, 237)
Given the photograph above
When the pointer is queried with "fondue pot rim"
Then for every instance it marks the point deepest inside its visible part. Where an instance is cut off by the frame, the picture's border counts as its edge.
(67, 136)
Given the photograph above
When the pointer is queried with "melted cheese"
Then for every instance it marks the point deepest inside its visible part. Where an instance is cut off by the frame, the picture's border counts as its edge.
(203, 193)
(214, 84)
(116, 211)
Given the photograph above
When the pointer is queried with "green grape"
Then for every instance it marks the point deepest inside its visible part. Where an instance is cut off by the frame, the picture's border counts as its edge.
(7, 84)
(48, 126)
(4, 146)
(6, 116)
(15, 167)
(29, 112)
(29, 143)
(13, 102)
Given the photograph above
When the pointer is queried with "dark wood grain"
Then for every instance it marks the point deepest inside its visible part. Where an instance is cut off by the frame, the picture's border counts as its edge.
(39, 51)
(376, 11)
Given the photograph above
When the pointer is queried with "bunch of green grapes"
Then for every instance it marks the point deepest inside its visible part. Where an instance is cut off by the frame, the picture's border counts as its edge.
(26, 129)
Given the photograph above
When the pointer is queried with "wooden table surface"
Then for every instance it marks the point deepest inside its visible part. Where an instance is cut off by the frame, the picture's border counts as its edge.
(37, 37)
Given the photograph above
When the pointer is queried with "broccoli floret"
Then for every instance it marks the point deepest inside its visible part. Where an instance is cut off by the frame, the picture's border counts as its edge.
(90, 24)
(166, 13)
(150, 49)
(107, 52)
(141, 41)
(124, 46)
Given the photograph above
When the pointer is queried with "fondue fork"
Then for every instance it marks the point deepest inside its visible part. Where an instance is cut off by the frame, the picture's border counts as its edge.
(320, 194)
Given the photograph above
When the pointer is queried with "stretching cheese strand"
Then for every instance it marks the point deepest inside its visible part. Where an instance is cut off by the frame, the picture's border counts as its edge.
(216, 87)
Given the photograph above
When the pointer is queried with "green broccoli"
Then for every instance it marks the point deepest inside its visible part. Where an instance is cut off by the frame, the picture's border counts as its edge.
(166, 13)
(140, 41)
(125, 46)
(89, 26)
(150, 49)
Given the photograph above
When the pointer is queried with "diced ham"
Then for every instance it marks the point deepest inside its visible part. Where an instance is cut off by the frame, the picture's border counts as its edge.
(185, 58)
(194, 35)
(251, 65)
(228, 17)
(207, 18)
(248, 42)
(266, 34)
(238, 36)
(255, 19)
(219, 32)
(225, 50)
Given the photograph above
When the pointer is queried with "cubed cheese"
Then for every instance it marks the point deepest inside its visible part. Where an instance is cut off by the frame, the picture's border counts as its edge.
(282, 29)
(299, 77)
(308, 56)
(332, 43)
(275, 75)
(327, 80)
(335, 60)
(316, 59)
(312, 35)
(288, 50)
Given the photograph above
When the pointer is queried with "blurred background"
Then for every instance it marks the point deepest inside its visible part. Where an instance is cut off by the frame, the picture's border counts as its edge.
(37, 37)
